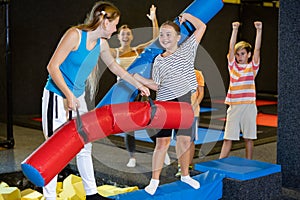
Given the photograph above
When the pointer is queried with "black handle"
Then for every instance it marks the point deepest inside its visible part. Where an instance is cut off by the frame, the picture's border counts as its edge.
(79, 127)
(153, 109)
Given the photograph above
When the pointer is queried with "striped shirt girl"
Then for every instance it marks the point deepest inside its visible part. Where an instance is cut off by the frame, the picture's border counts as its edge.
(175, 74)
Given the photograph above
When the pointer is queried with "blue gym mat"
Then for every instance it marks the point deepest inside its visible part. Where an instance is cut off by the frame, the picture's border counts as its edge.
(238, 168)
(211, 188)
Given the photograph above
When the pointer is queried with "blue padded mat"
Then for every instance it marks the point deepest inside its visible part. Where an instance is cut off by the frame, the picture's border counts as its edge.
(211, 188)
(239, 168)
(204, 136)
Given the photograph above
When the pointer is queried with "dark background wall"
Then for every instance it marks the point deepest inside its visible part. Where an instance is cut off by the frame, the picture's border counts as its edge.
(37, 26)
(288, 94)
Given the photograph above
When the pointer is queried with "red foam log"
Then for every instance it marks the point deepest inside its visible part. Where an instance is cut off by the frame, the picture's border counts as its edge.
(172, 115)
(116, 118)
(56, 152)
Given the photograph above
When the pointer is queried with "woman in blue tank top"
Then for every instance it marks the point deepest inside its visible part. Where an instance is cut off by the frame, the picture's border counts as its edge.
(74, 60)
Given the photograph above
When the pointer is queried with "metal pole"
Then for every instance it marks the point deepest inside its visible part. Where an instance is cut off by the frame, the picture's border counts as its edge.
(10, 138)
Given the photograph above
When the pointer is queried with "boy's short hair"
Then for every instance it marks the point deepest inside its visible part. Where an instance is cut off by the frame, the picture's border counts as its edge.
(242, 45)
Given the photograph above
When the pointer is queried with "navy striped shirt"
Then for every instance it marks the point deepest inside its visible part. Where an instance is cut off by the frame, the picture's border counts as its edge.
(175, 74)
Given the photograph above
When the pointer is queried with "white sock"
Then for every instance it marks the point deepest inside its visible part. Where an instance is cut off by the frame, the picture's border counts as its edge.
(151, 188)
(192, 182)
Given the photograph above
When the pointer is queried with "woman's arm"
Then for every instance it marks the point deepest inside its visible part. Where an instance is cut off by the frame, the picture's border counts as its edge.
(196, 22)
(115, 68)
(155, 29)
(69, 42)
(113, 52)
(198, 99)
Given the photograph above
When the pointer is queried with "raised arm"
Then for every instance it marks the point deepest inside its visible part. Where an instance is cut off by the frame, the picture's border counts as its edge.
(256, 53)
(196, 22)
(155, 28)
(232, 42)
(115, 68)
(153, 18)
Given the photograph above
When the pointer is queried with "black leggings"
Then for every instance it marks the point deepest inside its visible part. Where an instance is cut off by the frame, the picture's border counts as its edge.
(129, 140)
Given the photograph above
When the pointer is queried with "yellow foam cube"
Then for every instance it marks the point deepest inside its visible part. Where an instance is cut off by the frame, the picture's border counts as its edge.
(57, 198)
(69, 195)
(59, 187)
(79, 189)
(10, 193)
(3, 184)
(30, 194)
(72, 188)
(71, 179)
(110, 190)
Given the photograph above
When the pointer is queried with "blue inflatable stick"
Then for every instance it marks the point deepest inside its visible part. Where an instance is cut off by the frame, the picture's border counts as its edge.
(124, 92)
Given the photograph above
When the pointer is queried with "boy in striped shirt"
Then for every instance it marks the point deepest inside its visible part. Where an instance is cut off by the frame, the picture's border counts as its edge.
(241, 96)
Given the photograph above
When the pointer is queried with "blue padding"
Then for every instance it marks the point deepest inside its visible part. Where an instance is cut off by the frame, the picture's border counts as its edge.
(239, 168)
(207, 109)
(33, 175)
(211, 188)
(204, 136)
(209, 135)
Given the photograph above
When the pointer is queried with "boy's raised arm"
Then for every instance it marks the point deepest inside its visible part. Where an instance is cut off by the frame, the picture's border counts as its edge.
(232, 42)
(256, 53)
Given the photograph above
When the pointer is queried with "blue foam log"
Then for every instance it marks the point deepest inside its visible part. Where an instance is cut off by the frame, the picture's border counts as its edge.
(124, 92)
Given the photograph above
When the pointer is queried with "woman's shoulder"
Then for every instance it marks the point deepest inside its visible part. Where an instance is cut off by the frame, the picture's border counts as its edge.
(104, 45)
(74, 31)
(73, 34)
(71, 37)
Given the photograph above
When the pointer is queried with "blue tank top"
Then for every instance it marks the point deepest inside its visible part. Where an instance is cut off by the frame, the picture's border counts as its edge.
(76, 68)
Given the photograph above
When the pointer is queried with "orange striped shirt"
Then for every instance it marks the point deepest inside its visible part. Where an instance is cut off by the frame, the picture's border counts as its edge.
(242, 86)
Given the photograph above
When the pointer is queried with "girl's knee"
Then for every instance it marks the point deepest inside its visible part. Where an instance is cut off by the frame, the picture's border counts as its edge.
(184, 141)
(162, 144)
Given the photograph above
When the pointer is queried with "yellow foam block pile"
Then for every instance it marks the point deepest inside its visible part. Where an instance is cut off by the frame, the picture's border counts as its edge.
(70, 189)
(13, 193)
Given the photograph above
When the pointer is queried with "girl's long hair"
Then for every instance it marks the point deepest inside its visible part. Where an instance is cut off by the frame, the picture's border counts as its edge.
(100, 11)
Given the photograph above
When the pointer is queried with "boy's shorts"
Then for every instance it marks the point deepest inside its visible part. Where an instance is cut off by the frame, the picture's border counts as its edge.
(241, 118)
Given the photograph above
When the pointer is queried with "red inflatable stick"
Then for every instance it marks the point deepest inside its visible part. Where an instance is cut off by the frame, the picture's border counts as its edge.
(171, 115)
(56, 152)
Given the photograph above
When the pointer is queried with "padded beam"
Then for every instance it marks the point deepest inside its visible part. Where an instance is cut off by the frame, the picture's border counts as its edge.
(211, 188)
